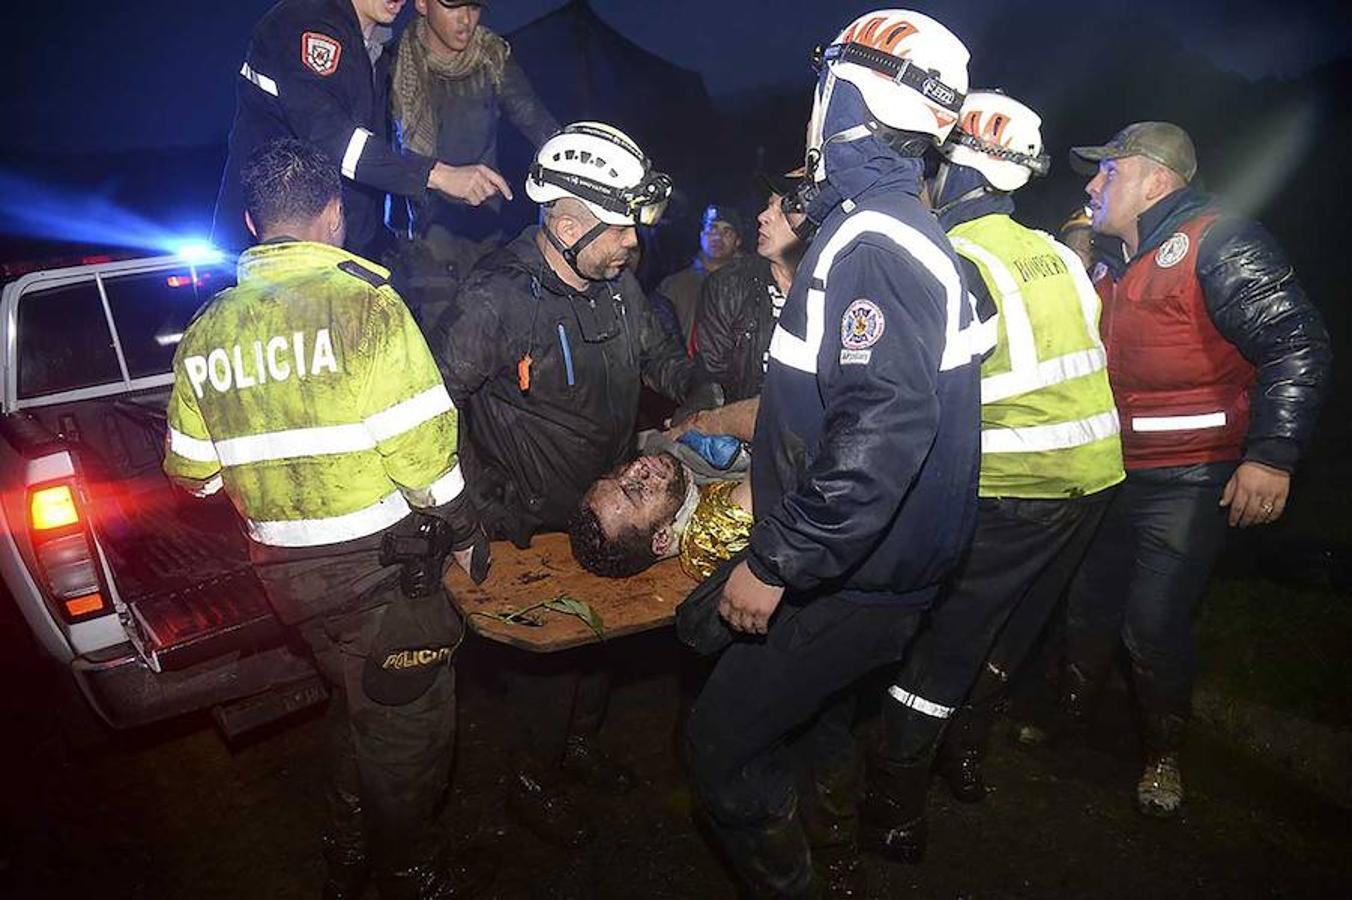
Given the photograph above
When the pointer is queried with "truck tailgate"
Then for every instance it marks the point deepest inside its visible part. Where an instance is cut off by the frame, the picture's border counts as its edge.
(182, 570)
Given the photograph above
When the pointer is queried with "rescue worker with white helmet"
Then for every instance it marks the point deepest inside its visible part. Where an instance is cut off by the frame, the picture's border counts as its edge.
(866, 448)
(1051, 458)
(548, 356)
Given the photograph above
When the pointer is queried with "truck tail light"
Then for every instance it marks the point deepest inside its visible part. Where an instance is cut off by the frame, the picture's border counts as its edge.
(53, 507)
(65, 552)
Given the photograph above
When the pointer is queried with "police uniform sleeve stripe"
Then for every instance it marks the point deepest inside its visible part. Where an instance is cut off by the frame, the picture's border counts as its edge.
(410, 413)
(192, 448)
(190, 457)
(407, 411)
(352, 155)
(259, 80)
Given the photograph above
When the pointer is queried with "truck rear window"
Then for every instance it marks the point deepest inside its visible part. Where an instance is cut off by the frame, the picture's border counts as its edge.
(151, 310)
(66, 343)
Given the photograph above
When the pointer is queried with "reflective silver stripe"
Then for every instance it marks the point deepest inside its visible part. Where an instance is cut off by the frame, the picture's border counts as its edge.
(210, 486)
(1058, 436)
(192, 448)
(333, 529)
(1026, 373)
(801, 353)
(443, 490)
(1178, 423)
(1044, 374)
(352, 155)
(323, 441)
(263, 82)
(920, 704)
(410, 413)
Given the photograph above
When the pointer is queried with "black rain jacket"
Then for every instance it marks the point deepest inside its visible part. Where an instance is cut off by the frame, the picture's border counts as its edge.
(531, 454)
(734, 324)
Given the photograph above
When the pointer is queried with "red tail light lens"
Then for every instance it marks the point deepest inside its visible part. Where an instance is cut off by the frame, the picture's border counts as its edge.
(53, 507)
(65, 552)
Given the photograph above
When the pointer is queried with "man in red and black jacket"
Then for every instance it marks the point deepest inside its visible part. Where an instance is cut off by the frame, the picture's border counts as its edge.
(1219, 364)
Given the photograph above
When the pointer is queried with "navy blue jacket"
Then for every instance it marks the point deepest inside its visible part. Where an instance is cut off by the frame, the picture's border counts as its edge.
(308, 75)
(868, 442)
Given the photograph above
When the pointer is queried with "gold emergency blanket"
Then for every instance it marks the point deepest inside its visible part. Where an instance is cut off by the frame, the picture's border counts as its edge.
(718, 529)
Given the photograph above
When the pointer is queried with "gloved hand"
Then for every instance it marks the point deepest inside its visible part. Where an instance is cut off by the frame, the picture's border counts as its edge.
(474, 555)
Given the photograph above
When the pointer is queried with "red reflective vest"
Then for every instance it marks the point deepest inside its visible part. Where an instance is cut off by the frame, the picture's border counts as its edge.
(1182, 389)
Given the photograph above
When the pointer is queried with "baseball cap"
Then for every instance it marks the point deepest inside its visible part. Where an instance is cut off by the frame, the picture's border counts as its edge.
(722, 212)
(785, 184)
(417, 637)
(1164, 142)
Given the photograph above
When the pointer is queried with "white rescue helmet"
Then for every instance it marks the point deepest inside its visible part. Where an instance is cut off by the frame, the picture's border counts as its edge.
(910, 70)
(599, 165)
(999, 137)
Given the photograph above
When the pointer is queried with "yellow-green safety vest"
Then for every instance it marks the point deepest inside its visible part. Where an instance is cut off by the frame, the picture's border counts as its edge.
(308, 393)
(1049, 427)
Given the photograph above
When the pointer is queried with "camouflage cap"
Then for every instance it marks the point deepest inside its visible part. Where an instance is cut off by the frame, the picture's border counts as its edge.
(1164, 142)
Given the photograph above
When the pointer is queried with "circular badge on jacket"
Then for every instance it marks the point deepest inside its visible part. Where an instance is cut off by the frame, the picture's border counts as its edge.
(1172, 250)
(320, 52)
(862, 325)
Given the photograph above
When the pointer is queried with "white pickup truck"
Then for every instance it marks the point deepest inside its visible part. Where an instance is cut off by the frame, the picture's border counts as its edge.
(144, 594)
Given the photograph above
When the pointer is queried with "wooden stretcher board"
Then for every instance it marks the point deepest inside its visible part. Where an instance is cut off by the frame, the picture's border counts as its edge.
(522, 578)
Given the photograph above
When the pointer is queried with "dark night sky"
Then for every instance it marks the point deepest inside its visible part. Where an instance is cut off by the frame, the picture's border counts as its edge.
(99, 75)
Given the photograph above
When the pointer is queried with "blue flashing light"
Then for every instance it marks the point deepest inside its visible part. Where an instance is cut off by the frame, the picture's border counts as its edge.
(198, 253)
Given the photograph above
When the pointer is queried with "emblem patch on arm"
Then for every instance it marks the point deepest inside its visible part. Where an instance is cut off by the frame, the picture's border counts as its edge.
(861, 327)
(1172, 250)
(320, 53)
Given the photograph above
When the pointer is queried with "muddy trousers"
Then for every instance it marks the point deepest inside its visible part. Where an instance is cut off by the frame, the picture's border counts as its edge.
(552, 697)
(389, 764)
(1140, 583)
(773, 707)
(1022, 556)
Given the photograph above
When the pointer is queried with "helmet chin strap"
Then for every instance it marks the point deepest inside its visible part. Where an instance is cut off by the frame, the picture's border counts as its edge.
(570, 254)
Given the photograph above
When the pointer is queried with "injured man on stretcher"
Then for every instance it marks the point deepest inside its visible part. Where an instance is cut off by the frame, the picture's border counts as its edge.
(687, 494)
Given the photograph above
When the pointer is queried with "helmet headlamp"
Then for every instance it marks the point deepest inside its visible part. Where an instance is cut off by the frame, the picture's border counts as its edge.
(1040, 164)
(643, 203)
(898, 70)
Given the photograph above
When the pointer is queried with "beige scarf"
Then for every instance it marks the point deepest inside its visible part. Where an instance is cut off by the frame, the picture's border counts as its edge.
(415, 67)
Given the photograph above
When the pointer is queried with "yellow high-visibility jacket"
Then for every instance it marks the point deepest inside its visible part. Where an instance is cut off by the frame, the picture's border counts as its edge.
(307, 391)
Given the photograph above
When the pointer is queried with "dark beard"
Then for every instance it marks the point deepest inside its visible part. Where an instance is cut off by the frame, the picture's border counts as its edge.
(679, 485)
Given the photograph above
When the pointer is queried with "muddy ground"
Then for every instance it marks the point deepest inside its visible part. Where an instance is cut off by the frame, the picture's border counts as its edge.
(173, 812)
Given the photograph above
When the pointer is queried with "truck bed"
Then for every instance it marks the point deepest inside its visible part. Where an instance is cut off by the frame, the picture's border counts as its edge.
(183, 572)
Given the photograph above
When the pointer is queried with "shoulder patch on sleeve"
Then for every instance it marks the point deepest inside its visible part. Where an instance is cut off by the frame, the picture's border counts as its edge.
(862, 325)
(320, 53)
(357, 270)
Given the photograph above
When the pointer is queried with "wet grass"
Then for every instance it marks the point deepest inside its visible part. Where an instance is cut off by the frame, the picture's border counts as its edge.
(1279, 645)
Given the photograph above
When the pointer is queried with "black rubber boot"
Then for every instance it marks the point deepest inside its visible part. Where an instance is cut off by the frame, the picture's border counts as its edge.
(346, 872)
(347, 868)
(437, 881)
(964, 743)
(590, 765)
(1077, 704)
(771, 858)
(547, 811)
(892, 818)
(830, 817)
(959, 760)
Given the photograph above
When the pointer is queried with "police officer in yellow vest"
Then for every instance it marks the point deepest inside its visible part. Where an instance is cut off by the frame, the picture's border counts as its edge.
(308, 394)
(1050, 452)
